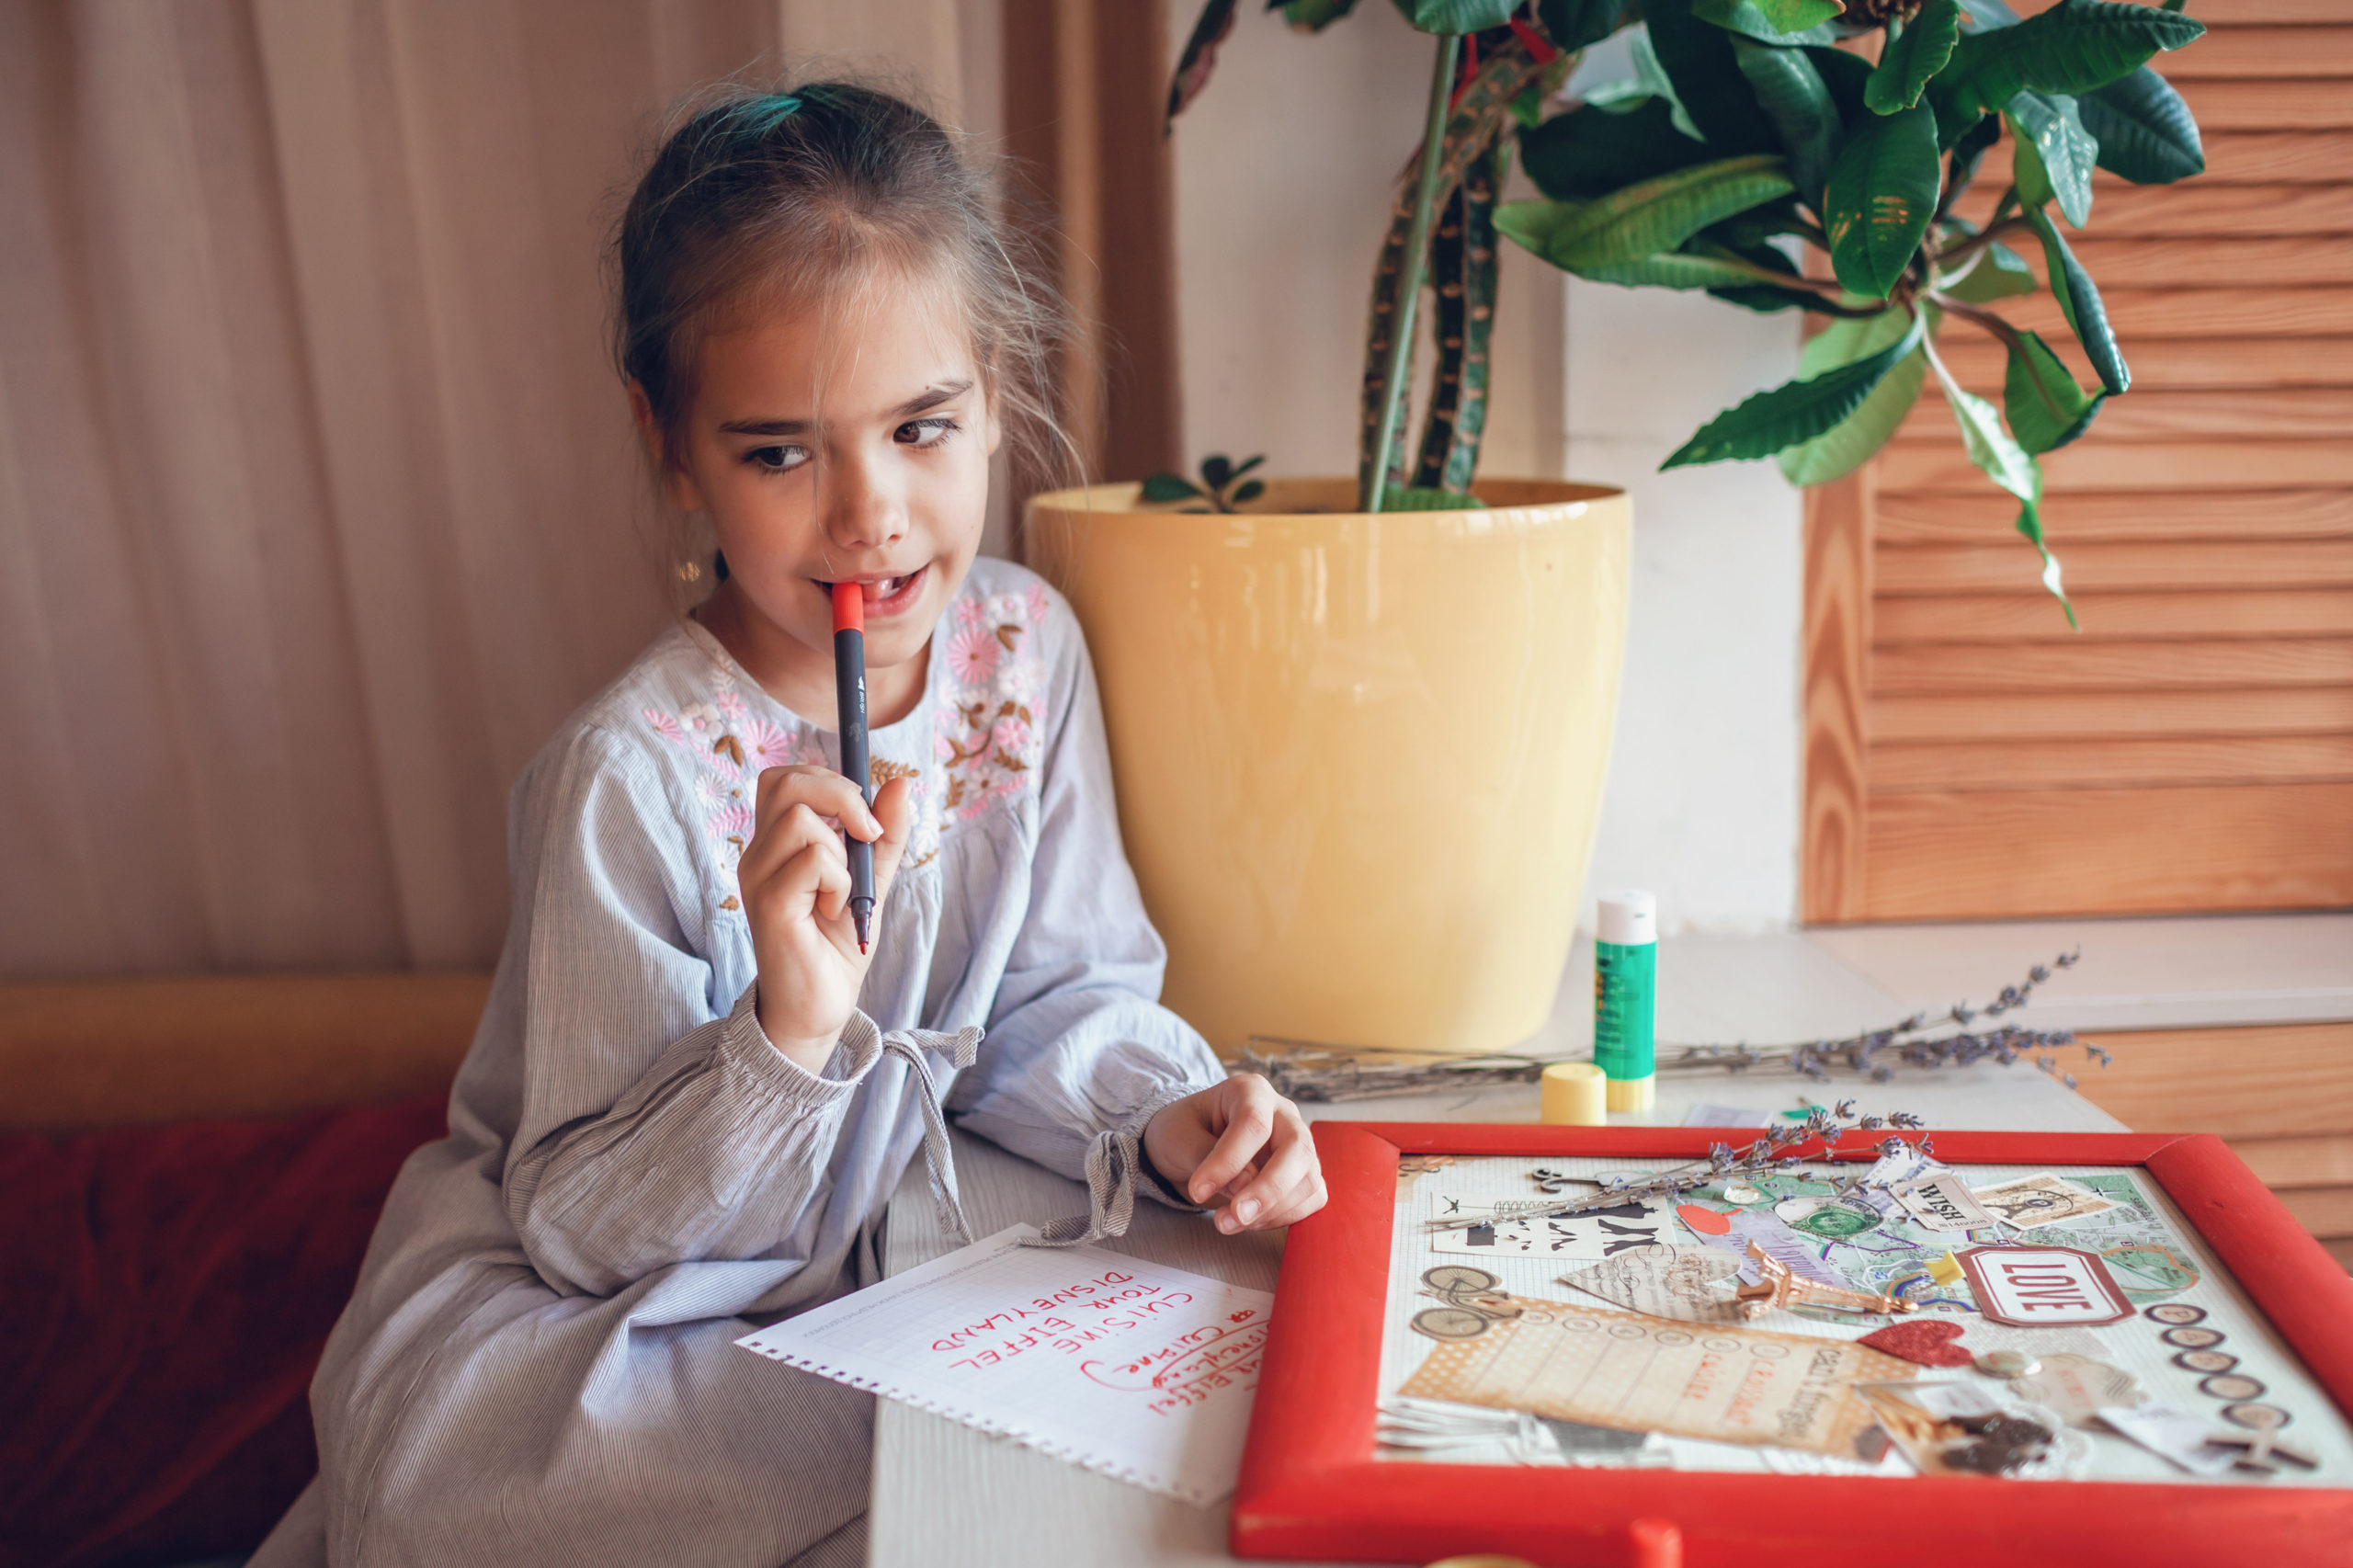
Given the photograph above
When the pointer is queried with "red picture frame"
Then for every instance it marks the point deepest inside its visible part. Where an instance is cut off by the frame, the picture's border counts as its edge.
(1311, 1488)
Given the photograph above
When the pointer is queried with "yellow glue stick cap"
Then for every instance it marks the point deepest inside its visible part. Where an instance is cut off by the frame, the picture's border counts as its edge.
(1576, 1094)
(1633, 1094)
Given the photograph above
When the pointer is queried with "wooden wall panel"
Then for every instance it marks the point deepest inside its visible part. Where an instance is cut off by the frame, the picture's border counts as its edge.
(1997, 854)
(2191, 747)
(2281, 1094)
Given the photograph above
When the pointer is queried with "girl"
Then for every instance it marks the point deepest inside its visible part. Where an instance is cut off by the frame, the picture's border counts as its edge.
(690, 1097)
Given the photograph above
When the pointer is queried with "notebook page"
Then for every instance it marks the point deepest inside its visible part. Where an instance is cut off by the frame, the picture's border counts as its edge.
(1133, 1368)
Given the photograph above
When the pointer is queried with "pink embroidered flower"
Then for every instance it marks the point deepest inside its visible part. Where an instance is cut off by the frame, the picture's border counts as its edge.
(732, 822)
(973, 655)
(1012, 737)
(666, 726)
(767, 744)
(702, 718)
(729, 704)
(1004, 607)
(1037, 597)
(969, 612)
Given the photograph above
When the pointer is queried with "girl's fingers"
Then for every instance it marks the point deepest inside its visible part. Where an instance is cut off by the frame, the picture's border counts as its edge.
(1287, 1173)
(816, 875)
(796, 830)
(1249, 1121)
(821, 789)
(894, 810)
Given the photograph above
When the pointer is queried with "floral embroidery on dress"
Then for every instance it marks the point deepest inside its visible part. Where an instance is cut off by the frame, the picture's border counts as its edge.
(988, 736)
(730, 748)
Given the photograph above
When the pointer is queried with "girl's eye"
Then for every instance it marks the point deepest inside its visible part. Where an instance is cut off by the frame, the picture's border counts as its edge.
(776, 459)
(925, 432)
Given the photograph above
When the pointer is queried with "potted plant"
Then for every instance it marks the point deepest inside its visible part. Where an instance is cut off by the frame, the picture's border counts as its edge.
(1275, 712)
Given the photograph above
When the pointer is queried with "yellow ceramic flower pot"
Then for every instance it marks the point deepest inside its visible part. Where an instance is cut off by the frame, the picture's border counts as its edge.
(1358, 757)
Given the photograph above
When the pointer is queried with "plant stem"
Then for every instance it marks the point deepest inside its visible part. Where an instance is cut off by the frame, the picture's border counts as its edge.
(1409, 288)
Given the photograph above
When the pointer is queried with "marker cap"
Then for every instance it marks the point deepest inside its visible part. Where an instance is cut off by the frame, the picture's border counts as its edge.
(850, 607)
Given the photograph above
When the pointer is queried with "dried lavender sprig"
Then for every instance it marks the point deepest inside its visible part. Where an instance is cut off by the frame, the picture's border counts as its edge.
(1767, 1156)
(1309, 1072)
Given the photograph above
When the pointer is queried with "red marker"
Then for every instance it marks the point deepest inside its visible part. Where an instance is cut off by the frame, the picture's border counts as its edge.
(849, 696)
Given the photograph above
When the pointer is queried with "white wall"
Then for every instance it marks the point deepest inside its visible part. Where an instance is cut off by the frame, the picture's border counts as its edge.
(1282, 174)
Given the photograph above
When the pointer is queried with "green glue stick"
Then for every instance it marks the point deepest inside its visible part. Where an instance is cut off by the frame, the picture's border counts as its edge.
(1625, 997)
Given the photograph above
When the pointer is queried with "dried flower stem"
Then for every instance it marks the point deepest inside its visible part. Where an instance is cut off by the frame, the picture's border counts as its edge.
(1303, 1070)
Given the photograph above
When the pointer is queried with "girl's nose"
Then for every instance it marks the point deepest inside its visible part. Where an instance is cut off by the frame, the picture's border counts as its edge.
(862, 510)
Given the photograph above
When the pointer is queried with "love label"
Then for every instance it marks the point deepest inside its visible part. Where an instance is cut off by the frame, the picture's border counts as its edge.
(2036, 1287)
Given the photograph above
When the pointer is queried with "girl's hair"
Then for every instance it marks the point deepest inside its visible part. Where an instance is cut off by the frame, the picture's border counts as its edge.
(793, 194)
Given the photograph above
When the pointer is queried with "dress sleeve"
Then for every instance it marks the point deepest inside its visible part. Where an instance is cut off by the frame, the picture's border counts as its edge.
(1079, 1052)
(658, 1125)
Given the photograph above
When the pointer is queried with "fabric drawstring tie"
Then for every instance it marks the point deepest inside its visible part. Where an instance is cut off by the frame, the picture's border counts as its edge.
(1111, 1172)
(962, 1049)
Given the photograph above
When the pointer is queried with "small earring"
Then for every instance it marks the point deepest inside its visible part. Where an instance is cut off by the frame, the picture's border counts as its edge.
(690, 571)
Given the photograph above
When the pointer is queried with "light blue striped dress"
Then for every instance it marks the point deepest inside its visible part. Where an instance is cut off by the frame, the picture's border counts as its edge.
(536, 1367)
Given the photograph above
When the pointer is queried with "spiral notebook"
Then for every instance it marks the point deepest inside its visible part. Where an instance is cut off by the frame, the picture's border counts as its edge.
(1133, 1368)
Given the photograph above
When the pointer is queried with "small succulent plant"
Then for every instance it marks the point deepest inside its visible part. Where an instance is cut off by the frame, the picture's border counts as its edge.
(1222, 484)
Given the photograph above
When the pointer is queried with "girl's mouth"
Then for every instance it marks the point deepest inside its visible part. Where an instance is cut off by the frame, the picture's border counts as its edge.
(890, 596)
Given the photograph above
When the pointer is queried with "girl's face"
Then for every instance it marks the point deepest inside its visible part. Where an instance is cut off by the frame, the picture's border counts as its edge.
(849, 445)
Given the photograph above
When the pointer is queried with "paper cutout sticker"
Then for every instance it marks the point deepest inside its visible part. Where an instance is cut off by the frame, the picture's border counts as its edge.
(1931, 1342)
(1941, 1201)
(2043, 1199)
(2077, 1388)
(1677, 1282)
(2037, 1286)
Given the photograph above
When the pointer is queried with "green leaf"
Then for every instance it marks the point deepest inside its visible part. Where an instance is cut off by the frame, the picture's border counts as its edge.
(2146, 133)
(1798, 411)
(1997, 274)
(1408, 498)
(2054, 155)
(1528, 108)
(1848, 444)
(1771, 21)
(1592, 150)
(1460, 16)
(2074, 47)
(1248, 490)
(1913, 55)
(1315, 16)
(1883, 193)
(1160, 487)
(1696, 57)
(1792, 94)
(1193, 67)
(1676, 269)
(2079, 301)
(1967, 151)
(1216, 469)
(1246, 464)
(2008, 464)
(1847, 75)
(2029, 523)
(2045, 407)
(1652, 78)
(1643, 220)
(1573, 24)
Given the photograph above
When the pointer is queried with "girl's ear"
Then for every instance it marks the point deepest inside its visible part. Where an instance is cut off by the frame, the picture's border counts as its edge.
(676, 483)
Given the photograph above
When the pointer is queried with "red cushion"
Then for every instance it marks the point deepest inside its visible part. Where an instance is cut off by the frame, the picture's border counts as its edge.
(165, 1296)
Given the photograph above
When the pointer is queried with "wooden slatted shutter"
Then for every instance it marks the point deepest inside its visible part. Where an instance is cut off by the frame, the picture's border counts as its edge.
(1969, 757)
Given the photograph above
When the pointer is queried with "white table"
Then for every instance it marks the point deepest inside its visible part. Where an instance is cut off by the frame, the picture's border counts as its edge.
(946, 1495)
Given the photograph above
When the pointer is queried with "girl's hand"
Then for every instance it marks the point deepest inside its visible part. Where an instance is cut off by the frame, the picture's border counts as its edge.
(794, 878)
(1243, 1143)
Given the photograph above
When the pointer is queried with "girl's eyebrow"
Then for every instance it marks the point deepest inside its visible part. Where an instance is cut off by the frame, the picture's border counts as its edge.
(930, 398)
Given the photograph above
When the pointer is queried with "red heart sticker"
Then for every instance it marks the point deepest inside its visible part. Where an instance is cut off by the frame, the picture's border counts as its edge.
(1929, 1341)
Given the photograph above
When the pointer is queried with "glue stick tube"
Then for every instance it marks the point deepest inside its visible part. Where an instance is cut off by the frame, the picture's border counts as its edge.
(1625, 997)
